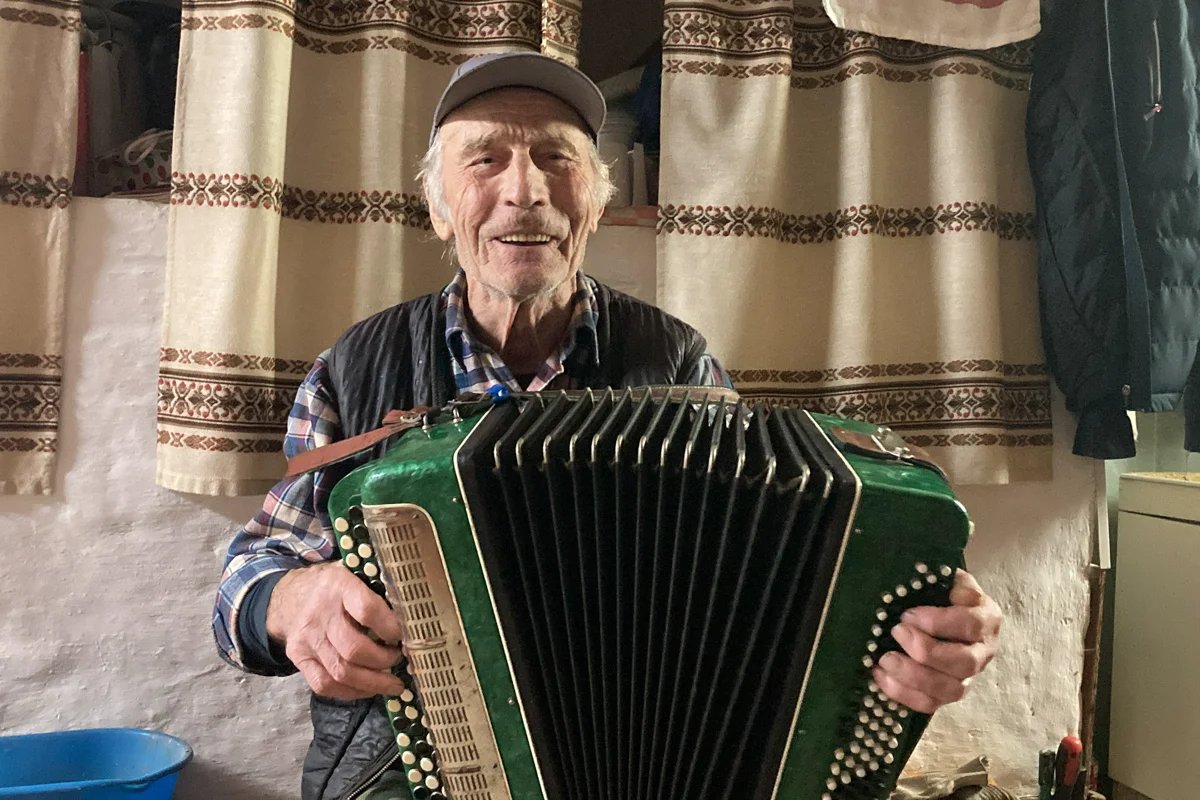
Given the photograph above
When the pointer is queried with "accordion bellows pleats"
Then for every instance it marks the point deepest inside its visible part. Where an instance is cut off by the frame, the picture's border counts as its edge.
(649, 594)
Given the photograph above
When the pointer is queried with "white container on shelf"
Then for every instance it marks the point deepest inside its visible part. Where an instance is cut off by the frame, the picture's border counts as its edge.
(615, 141)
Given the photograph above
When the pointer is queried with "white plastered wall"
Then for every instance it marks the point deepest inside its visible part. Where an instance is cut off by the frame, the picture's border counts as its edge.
(105, 600)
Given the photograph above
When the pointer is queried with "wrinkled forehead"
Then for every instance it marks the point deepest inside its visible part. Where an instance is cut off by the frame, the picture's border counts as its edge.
(515, 115)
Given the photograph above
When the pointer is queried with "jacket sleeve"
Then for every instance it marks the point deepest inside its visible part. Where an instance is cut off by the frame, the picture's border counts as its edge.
(292, 530)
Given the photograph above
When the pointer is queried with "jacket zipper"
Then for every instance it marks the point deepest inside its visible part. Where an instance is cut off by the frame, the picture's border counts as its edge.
(1155, 75)
(365, 784)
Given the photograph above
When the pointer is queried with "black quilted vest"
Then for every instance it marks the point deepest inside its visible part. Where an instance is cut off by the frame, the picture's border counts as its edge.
(398, 359)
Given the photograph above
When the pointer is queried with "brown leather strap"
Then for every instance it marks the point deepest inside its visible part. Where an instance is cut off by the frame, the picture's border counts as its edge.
(394, 422)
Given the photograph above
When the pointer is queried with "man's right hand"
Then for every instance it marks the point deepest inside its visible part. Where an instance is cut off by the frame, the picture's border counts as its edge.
(322, 614)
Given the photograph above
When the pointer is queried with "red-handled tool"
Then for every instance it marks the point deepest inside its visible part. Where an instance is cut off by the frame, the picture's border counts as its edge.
(1067, 762)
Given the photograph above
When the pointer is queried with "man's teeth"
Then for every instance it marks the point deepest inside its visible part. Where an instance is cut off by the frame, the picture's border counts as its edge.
(525, 238)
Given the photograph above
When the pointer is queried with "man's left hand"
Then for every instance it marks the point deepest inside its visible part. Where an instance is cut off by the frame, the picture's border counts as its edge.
(944, 648)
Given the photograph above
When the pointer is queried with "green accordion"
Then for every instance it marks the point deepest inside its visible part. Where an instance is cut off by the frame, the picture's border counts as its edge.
(660, 593)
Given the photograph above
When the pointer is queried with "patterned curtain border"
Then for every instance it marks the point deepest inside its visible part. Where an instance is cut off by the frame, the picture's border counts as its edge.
(562, 29)
(956, 398)
(894, 370)
(30, 394)
(62, 14)
(292, 202)
(864, 220)
(246, 403)
(704, 38)
(35, 191)
(438, 31)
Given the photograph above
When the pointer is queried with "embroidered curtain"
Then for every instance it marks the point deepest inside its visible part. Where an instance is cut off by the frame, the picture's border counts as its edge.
(849, 219)
(39, 40)
(295, 209)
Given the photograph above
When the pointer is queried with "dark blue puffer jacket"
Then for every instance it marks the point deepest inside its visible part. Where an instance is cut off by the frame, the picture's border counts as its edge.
(1114, 146)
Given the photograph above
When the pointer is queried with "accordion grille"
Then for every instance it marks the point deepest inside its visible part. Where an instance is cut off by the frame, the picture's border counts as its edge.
(468, 760)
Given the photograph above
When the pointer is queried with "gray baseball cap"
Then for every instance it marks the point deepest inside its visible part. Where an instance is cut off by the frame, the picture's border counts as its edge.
(534, 70)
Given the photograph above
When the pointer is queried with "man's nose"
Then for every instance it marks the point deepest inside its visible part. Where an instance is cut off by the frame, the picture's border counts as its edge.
(525, 183)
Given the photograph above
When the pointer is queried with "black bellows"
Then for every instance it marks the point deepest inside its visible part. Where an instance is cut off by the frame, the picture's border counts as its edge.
(660, 566)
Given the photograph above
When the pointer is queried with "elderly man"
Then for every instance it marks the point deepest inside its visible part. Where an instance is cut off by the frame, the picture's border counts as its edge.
(514, 182)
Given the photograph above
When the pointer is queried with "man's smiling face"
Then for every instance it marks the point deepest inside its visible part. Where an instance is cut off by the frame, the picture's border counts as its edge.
(519, 189)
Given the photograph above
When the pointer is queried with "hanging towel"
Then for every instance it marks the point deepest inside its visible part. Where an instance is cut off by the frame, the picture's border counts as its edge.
(966, 24)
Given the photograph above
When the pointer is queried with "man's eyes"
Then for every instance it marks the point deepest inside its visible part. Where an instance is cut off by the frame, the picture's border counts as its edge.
(553, 157)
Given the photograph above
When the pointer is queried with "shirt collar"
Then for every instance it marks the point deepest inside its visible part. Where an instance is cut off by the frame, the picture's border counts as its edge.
(477, 367)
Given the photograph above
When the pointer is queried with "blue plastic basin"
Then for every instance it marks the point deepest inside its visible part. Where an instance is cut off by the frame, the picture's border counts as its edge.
(94, 764)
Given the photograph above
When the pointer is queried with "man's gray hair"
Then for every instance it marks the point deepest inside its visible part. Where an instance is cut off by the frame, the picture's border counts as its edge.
(430, 176)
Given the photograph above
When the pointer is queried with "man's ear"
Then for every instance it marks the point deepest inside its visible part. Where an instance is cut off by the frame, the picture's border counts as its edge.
(441, 225)
(596, 214)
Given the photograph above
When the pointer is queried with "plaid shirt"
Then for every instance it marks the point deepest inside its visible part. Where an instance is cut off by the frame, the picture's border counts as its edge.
(293, 528)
